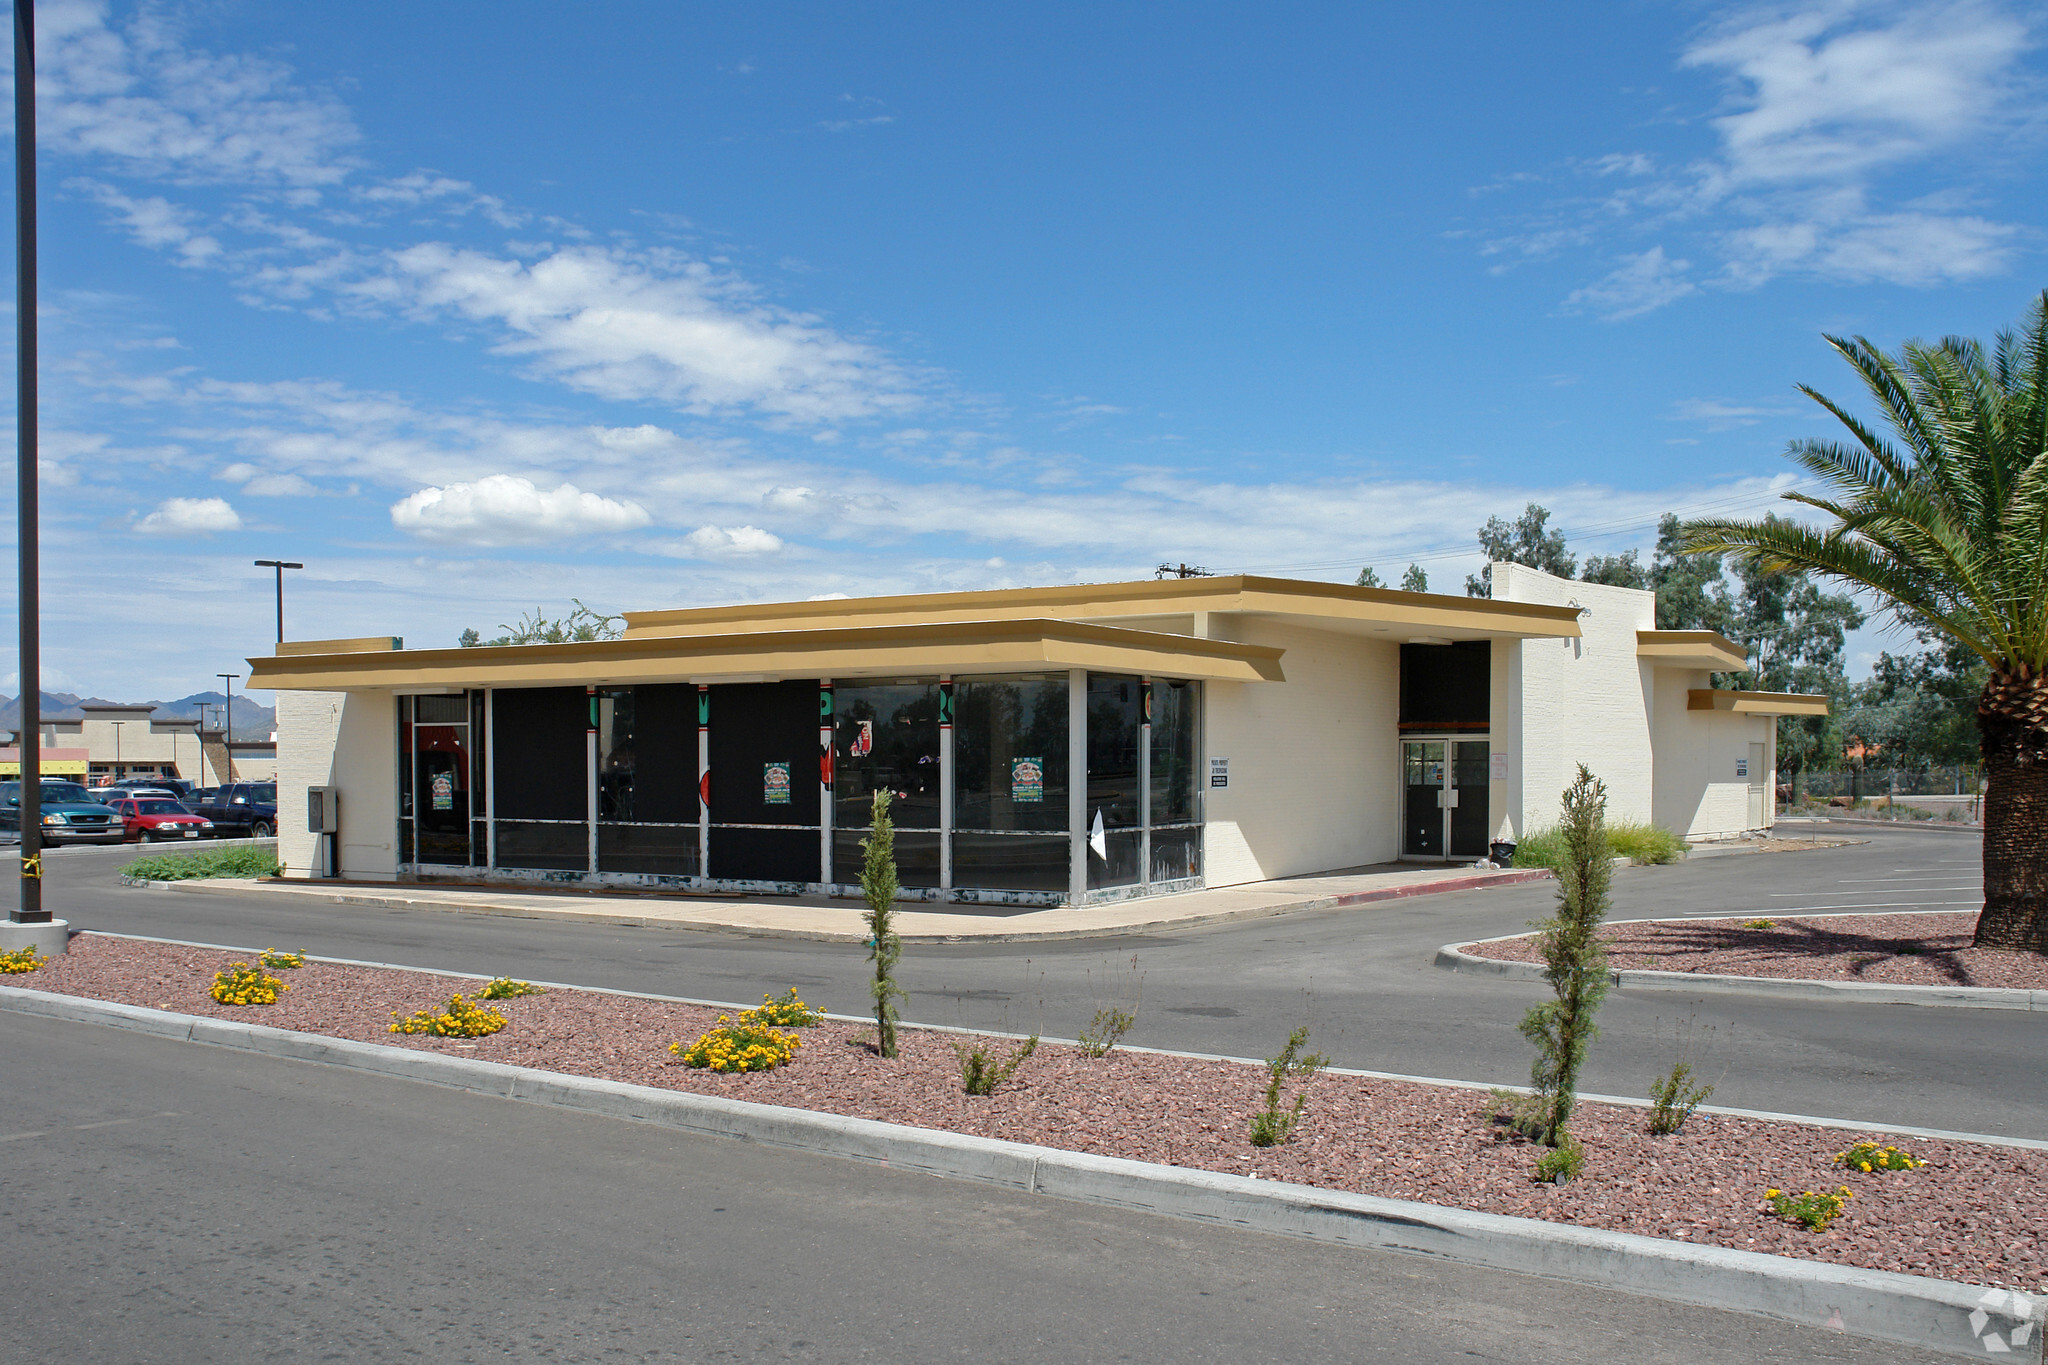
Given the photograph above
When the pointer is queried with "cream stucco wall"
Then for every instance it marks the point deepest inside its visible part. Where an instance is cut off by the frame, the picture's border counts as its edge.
(347, 740)
(1697, 791)
(1574, 701)
(1314, 761)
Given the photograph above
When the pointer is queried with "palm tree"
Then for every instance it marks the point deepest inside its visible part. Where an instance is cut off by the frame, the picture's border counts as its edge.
(1948, 528)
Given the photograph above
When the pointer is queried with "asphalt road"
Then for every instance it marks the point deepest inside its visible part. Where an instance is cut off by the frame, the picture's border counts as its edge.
(1363, 976)
(169, 1202)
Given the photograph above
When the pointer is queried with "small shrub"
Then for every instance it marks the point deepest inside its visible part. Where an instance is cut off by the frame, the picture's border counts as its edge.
(282, 962)
(212, 862)
(1575, 961)
(505, 988)
(1814, 1209)
(1673, 1098)
(878, 886)
(459, 1018)
(242, 984)
(20, 960)
(1759, 924)
(1274, 1124)
(980, 1069)
(1868, 1156)
(1106, 1030)
(783, 1011)
(1566, 1161)
(739, 1047)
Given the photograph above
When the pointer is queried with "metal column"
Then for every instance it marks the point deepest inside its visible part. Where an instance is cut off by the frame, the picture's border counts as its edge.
(1145, 782)
(1077, 785)
(825, 781)
(491, 778)
(946, 787)
(590, 778)
(703, 780)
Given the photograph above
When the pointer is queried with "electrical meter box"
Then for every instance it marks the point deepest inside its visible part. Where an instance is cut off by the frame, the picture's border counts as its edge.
(323, 809)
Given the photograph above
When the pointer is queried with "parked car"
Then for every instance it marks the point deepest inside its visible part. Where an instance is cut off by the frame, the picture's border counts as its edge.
(145, 819)
(240, 808)
(70, 815)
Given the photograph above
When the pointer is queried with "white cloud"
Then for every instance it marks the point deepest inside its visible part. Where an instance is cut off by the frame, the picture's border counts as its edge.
(505, 510)
(135, 94)
(649, 325)
(190, 517)
(726, 542)
(1642, 282)
(280, 486)
(1717, 415)
(1830, 109)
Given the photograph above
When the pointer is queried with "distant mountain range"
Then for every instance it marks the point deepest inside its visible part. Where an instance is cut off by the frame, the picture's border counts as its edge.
(252, 722)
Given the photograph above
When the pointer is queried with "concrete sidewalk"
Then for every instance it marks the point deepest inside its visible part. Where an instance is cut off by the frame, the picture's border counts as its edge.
(839, 921)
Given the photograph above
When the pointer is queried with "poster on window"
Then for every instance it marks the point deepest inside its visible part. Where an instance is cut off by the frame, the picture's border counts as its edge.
(443, 788)
(863, 739)
(775, 784)
(1027, 779)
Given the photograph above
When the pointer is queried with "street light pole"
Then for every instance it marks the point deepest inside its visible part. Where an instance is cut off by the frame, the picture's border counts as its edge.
(280, 565)
(30, 910)
(227, 724)
(117, 748)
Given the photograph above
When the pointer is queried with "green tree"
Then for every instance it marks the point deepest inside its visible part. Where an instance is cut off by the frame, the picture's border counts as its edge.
(1795, 636)
(1920, 710)
(1945, 522)
(1616, 571)
(1415, 580)
(1525, 540)
(878, 887)
(1368, 577)
(535, 629)
(1575, 962)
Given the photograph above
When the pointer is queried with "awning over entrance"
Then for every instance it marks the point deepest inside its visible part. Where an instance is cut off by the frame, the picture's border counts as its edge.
(1756, 703)
(961, 648)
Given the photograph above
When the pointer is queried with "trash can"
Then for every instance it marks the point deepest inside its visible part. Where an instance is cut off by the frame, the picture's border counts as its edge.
(1503, 852)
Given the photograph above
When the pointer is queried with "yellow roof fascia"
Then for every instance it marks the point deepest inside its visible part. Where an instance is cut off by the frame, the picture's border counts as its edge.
(1756, 703)
(1144, 597)
(960, 648)
(372, 644)
(1708, 649)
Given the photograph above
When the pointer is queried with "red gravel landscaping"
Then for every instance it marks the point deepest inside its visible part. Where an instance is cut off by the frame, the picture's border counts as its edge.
(1975, 1213)
(1896, 950)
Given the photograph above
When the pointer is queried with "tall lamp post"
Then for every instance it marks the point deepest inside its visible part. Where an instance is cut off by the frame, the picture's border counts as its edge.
(280, 565)
(118, 774)
(30, 911)
(227, 724)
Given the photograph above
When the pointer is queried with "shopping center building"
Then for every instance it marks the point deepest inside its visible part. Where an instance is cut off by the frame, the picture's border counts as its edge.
(1043, 746)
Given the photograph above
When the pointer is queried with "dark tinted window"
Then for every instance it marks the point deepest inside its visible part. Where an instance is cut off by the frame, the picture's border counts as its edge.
(1446, 687)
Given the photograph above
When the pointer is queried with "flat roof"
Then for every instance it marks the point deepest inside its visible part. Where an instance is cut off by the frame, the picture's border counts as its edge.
(961, 648)
(1708, 649)
(1756, 703)
(1327, 605)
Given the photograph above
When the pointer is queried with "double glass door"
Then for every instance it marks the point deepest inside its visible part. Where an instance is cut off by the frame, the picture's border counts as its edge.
(1443, 806)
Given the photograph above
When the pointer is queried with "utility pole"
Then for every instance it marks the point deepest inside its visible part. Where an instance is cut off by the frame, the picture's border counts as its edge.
(28, 603)
(280, 565)
(227, 724)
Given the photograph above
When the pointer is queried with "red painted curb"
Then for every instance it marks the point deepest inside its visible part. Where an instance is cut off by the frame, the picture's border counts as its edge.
(1483, 879)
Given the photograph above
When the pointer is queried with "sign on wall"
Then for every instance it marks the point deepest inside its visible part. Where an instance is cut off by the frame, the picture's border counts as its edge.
(1498, 771)
(1027, 779)
(775, 784)
(1219, 772)
(1742, 767)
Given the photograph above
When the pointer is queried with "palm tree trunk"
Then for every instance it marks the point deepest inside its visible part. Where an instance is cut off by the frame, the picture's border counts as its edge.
(2012, 717)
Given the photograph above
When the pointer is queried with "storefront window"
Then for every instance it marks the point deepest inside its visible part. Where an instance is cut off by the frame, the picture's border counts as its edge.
(647, 780)
(1010, 780)
(1176, 828)
(887, 736)
(1114, 814)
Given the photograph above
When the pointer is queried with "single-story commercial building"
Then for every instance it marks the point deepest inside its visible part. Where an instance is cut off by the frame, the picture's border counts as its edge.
(1044, 746)
(109, 740)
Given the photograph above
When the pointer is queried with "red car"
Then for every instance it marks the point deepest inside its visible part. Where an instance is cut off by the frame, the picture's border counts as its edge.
(158, 817)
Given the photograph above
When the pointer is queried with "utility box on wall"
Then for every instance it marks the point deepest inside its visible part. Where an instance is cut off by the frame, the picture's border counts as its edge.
(323, 809)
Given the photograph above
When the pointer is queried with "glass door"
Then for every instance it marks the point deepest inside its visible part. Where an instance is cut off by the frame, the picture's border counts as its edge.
(1444, 798)
(1423, 795)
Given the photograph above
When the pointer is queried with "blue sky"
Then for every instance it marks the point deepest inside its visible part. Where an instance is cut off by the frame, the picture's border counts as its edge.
(478, 307)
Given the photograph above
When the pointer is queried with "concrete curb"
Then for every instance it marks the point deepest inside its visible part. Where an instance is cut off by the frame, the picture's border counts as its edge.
(1932, 1314)
(400, 900)
(1621, 1101)
(1451, 957)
